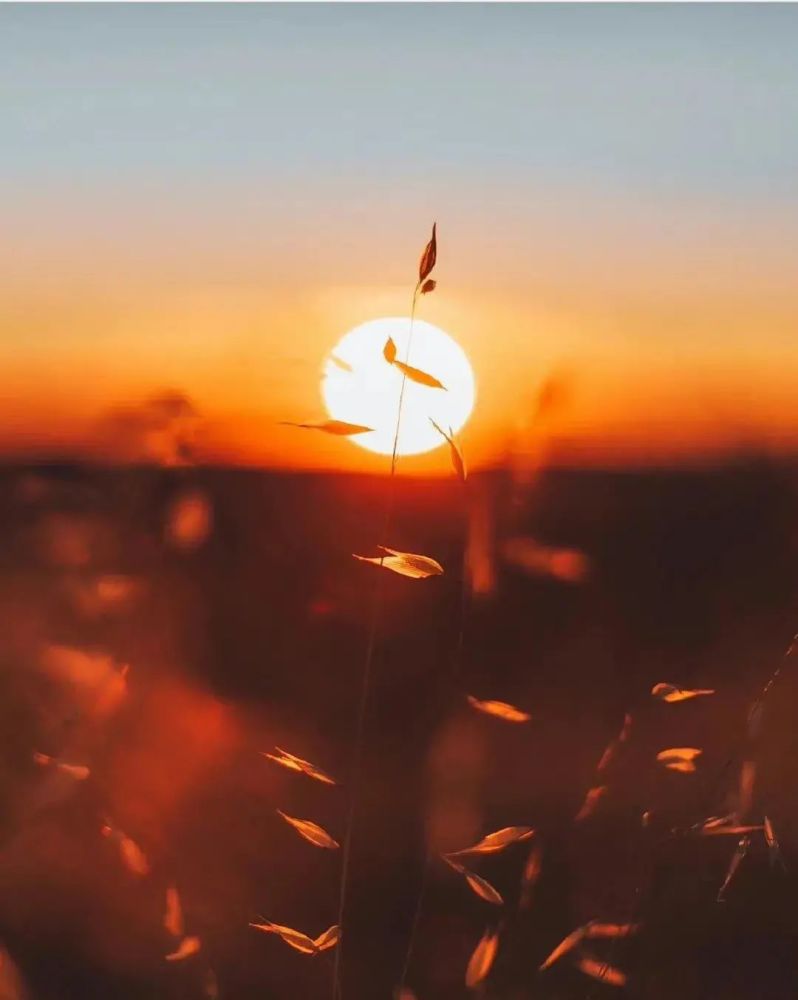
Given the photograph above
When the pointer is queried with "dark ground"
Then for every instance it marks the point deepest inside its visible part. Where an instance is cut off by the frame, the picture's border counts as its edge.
(255, 635)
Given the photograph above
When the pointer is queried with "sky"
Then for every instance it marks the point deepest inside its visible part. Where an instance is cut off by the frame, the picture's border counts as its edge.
(202, 199)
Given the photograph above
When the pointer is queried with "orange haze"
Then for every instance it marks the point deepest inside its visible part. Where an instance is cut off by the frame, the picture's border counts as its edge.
(671, 327)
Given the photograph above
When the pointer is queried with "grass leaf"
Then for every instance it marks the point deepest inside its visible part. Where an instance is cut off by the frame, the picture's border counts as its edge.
(339, 363)
(405, 563)
(601, 970)
(173, 917)
(483, 888)
(679, 754)
(458, 462)
(567, 944)
(295, 939)
(312, 832)
(294, 763)
(497, 841)
(389, 351)
(729, 831)
(482, 959)
(339, 428)
(419, 376)
(328, 939)
(531, 874)
(499, 709)
(671, 693)
(188, 946)
(133, 858)
(77, 771)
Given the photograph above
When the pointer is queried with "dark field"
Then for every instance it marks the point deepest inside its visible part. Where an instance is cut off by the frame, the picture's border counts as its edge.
(250, 631)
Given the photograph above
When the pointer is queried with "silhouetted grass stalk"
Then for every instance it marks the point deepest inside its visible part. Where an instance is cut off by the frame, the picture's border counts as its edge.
(371, 645)
(430, 855)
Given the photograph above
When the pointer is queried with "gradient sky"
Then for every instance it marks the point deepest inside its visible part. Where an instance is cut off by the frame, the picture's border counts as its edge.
(203, 198)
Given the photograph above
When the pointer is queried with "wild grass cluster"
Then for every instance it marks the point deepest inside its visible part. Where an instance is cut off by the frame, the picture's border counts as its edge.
(724, 806)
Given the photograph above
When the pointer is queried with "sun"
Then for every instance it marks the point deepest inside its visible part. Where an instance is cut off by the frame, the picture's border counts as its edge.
(361, 387)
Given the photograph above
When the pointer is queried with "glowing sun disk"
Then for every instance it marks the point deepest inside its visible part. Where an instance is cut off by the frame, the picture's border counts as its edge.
(361, 387)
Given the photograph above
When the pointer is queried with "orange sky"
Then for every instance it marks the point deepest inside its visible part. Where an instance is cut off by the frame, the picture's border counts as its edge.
(151, 245)
(669, 344)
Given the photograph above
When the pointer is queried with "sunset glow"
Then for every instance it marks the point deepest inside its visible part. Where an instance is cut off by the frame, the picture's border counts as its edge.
(648, 259)
(399, 495)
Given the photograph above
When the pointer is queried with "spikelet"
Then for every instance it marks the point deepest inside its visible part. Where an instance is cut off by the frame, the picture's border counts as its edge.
(679, 758)
(429, 256)
(671, 693)
(482, 959)
(405, 563)
(312, 832)
(499, 709)
(294, 763)
(301, 942)
(483, 888)
(601, 970)
(568, 943)
(497, 841)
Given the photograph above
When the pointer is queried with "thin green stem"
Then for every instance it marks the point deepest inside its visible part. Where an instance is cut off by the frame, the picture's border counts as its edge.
(371, 645)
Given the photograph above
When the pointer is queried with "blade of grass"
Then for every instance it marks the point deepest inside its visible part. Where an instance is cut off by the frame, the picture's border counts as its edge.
(362, 711)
